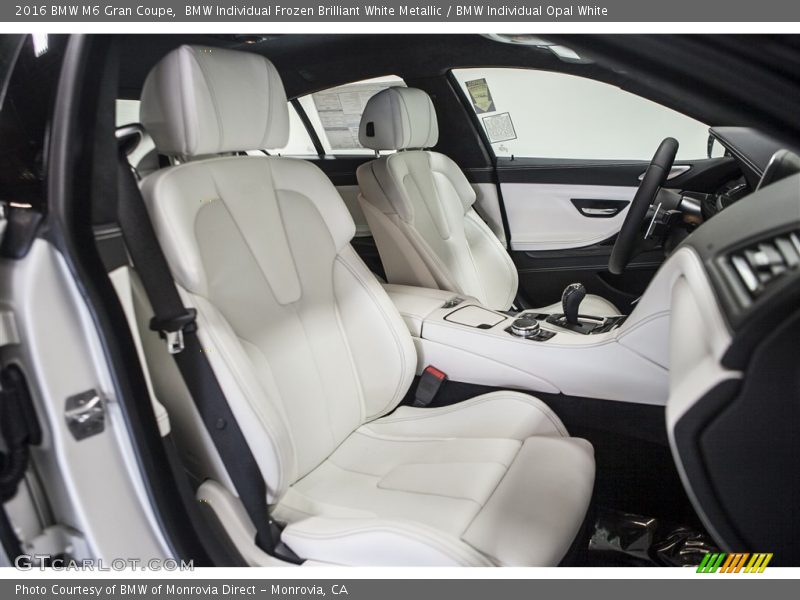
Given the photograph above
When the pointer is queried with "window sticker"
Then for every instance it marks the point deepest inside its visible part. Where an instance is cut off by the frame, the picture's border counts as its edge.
(482, 100)
(340, 111)
(499, 128)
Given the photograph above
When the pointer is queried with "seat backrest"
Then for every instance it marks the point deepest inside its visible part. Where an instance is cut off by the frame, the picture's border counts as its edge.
(419, 206)
(305, 343)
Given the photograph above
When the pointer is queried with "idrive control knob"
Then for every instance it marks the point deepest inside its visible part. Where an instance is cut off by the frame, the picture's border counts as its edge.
(525, 326)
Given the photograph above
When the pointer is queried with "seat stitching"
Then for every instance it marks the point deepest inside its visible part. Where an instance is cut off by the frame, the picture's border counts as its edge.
(322, 386)
(367, 432)
(213, 95)
(431, 118)
(298, 312)
(487, 234)
(283, 476)
(475, 267)
(270, 103)
(184, 113)
(450, 550)
(417, 492)
(280, 408)
(427, 255)
(398, 343)
(545, 410)
(422, 247)
(402, 103)
(342, 332)
(242, 236)
(386, 195)
(448, 462)
(489, 499)
(427, 205)
(360, 387)
(410, 175)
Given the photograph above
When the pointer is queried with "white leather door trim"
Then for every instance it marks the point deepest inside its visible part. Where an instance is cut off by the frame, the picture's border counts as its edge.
(541, 216)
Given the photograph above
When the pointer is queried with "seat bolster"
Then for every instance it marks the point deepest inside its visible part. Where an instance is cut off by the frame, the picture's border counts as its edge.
(496, 269)
(445, 165)
(381, 187)
(538, 508)
(401, 261)
(378, 542)
(503, 415)
(372, 320)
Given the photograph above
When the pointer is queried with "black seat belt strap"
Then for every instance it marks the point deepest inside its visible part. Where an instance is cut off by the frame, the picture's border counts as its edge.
(177, 324)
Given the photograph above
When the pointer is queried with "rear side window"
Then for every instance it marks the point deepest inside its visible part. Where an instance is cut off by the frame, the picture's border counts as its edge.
(541, 114)
(335, 113)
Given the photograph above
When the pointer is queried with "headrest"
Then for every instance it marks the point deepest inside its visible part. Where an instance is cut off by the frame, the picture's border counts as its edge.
(200, 100)
(398, 118)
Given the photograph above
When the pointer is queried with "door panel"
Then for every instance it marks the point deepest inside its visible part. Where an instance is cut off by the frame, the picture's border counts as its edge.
(704, 175)
(544, 216)
(564, 215)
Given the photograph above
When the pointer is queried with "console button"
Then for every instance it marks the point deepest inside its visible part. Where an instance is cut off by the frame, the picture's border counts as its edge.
(525, 326)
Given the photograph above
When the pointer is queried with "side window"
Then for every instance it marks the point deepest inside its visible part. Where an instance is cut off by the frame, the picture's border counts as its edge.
(335, 113)
(529, 113)
(299, 143)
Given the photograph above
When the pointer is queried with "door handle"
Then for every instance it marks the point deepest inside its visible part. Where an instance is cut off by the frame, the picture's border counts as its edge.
(599, 212)
(674, 172)
(598, 208)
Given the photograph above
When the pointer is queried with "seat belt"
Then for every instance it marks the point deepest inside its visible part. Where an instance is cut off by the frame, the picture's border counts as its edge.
(177, 324)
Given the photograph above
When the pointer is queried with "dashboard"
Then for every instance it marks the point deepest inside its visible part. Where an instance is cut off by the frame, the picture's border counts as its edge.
(754, 151)
(734, 409)
(760, 159)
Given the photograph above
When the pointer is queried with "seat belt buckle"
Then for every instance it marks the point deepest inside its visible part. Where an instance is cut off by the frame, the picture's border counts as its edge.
(430, 382)
(172, 329)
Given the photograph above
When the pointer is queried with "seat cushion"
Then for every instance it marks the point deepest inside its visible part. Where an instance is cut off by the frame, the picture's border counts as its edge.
(496, 474)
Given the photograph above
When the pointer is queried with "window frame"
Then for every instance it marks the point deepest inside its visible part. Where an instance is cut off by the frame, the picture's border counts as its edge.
(306, 121)
(481, 130)
(314, 134)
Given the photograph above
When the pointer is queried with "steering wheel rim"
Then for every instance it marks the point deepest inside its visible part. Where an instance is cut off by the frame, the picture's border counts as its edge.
(655, 176)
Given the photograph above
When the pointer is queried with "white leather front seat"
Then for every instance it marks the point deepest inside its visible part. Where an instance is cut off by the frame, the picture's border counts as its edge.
(419, 207)
(313, 356)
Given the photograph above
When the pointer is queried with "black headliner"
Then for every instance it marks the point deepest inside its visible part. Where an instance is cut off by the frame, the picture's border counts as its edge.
(743, 80)
(312, 62)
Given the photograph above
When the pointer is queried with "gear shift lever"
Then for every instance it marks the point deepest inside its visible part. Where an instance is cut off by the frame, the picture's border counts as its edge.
(571, 300)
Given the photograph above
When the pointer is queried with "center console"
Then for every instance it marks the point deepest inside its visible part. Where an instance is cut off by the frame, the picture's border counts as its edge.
(598, 356)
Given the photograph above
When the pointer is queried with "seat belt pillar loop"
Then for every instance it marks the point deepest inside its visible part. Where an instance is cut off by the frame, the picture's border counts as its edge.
(172, 329)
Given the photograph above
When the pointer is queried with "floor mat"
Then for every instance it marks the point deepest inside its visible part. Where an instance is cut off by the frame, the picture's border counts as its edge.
(626, 539)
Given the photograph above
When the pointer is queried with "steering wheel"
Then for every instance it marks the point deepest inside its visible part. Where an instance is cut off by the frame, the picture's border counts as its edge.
(655, 176)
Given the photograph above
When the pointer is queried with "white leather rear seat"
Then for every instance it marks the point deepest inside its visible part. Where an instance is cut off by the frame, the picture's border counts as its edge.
(311, 353)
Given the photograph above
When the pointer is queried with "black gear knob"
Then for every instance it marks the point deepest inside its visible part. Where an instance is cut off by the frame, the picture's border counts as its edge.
(571, 300)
